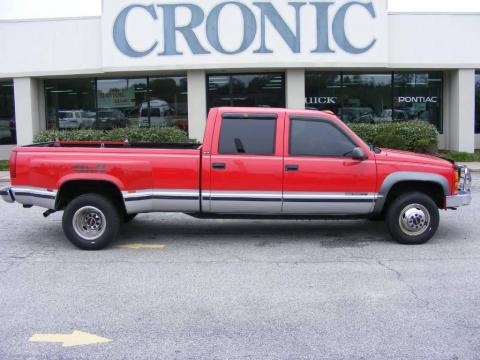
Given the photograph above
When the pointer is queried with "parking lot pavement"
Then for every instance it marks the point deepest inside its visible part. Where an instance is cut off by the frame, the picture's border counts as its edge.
(177, 287)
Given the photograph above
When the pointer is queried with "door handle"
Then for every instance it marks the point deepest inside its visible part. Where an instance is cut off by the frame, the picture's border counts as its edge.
(291, 167)
(218, 165)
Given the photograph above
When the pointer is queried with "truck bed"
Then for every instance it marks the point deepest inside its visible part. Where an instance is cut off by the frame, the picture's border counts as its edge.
(150, 177)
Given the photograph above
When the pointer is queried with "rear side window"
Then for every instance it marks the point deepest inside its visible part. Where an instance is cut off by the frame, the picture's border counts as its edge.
(318, 138)
(247, 136)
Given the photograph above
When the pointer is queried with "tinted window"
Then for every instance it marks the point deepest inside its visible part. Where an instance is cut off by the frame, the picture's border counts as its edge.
(106, 104)
(323, 91)
(260, 90)
(8, 131)
(367, 98)
(318, 138)
(69, 94)
(247, 136)
(418, 96)
(377, 97)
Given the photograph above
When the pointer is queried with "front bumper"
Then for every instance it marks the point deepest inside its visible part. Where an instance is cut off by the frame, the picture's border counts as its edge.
(464, 192)
(7, 194)
(463, 198)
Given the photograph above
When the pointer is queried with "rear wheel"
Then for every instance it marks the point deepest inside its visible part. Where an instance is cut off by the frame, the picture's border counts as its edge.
(91, 221)
(413, 218)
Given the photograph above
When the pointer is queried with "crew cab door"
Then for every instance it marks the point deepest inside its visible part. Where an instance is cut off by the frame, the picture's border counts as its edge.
(246, 164)
(320, 176)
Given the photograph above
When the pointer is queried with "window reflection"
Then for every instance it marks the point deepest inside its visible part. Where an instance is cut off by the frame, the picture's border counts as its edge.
(119, 102)
(375, 98)
(70, 103)
(106, 104)
(418, 96)
(367, 98)
(8, 134)
(262, 90)
(323, 91)
(168, 103)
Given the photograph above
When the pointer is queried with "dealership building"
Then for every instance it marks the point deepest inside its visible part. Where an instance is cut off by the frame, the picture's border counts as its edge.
(151, 64)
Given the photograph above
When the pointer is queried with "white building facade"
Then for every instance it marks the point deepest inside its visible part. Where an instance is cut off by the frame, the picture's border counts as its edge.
(147, 64)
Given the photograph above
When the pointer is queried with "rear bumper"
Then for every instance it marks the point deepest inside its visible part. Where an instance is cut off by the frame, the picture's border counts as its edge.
(7, 195)
(29, 196)
(463, 198)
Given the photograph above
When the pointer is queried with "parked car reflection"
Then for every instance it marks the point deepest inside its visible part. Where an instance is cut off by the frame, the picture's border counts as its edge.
(108, 119)
(160, 114)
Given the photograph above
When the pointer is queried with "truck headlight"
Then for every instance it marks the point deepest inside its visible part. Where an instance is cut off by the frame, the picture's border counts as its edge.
(465, 178)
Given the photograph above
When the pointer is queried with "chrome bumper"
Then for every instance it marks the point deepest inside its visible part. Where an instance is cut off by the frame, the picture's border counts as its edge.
(463, 198)
(7, 194)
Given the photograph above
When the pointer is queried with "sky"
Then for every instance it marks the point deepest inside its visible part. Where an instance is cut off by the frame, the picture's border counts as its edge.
(28, 9)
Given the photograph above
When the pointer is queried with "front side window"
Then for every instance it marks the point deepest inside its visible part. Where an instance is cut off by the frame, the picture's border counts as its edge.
(247, 136)
(314, 137)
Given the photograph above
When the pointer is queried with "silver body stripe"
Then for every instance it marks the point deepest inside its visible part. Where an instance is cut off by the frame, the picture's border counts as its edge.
(233, 202)
(34, 196)
(162, 200)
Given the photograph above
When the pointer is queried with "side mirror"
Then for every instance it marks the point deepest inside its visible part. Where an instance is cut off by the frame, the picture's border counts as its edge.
(359, 154)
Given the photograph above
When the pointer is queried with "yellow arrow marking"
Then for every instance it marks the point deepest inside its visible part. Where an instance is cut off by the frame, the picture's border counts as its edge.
(137, 246)
(74, 339)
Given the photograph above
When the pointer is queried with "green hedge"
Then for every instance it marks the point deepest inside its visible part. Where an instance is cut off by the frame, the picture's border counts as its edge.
(418, 136)
(152, 135)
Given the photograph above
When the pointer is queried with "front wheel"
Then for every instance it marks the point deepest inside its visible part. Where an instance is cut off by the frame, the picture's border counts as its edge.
(91, 221)
(413, 218)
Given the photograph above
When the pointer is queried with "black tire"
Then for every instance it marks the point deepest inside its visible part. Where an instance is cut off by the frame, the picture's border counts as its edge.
(412, 218)
(377, 217)
(129, 217)
(94, 211)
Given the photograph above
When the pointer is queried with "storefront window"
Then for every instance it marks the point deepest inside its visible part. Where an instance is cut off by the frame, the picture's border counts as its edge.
(168, 102)
(70, 103)
(262, 90)
(119, 102)
(8, 133)
(323, 91)
(477, 103)
(367, 98)
(377, 97)
(418, 96)
(106, 104)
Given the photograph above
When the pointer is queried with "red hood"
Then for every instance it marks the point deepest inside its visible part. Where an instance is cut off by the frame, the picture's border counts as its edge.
(411, 157)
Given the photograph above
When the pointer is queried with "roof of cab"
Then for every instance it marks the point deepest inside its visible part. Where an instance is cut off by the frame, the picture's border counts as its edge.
(267, 110)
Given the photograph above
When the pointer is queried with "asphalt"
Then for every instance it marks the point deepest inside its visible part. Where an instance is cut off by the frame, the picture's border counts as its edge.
(222, 289)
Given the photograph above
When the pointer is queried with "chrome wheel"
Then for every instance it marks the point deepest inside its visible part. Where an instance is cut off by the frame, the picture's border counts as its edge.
(414, 219)
(89, 222)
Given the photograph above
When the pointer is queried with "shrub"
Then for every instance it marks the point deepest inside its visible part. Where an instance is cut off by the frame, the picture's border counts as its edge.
(390, 141)
(152, 135)
(418, 136)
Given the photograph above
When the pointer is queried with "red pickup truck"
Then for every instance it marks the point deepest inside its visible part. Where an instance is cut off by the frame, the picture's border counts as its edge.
(254, 162)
